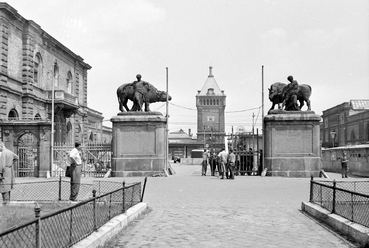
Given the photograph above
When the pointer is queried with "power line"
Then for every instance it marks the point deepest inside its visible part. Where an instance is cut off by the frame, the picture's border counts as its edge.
(235, 111)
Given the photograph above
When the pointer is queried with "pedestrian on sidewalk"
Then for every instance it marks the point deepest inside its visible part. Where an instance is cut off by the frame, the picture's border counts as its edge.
(205, 158)
(223, 157)
(7, 159)
(76, 170)
(231, 164)
(212, 161)
(344, 165)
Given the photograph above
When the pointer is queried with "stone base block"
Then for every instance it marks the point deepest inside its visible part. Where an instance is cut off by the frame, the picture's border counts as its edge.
(292, 144)
(139, 144)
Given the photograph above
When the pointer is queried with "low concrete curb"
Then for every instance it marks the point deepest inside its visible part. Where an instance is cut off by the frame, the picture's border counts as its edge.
(357, 232)
(111, 228)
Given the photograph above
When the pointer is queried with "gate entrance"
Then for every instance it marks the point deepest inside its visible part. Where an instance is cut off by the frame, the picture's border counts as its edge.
(27, 152)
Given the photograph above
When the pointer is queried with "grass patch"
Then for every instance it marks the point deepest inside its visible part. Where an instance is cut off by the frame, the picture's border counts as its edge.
(15, 215)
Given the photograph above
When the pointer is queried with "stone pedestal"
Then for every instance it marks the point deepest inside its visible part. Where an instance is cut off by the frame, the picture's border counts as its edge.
(138, 144)
(292, 143)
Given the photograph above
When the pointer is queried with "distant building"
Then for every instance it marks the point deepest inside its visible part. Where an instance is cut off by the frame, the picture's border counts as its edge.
(181, 144)
(34, 65)
(345, 124)
(211, 103)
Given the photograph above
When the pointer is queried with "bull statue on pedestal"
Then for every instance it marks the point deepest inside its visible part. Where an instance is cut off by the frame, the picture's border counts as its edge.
(139, 92)
(277, 95)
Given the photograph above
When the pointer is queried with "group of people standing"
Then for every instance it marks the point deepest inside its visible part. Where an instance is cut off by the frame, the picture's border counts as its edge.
(223, 162)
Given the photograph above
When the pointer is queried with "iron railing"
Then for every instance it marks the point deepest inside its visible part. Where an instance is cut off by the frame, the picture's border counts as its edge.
(68, 226)
(58, 190)
(96, 159)
(347, 199)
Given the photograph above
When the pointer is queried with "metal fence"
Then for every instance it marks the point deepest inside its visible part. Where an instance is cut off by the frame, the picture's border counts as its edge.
(96, 159)
(347, 199)
(68, 226)
(58, 190)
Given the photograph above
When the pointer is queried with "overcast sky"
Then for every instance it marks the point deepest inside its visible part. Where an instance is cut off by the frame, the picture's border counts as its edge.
(323, 43)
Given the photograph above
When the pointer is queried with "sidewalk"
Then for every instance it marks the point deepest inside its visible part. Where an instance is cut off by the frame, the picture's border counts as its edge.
(190, 210)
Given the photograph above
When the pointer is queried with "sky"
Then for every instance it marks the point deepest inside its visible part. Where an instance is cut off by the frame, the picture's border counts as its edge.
(323, 43)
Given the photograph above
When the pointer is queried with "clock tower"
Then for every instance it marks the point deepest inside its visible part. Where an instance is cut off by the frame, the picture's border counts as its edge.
(210, 103)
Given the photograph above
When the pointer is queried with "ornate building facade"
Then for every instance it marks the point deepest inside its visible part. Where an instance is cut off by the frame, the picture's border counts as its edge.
(210, 104)
(34, 66)
(345, 124)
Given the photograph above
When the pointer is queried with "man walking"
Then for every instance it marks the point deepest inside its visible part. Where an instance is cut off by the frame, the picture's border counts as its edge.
(76, 170)
(7, 159)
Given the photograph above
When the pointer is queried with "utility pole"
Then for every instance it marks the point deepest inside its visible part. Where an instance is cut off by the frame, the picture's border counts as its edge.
(204, 136)
(166, 127)
(338, 130)
(262, 115)
(253, 136)
(52, 120)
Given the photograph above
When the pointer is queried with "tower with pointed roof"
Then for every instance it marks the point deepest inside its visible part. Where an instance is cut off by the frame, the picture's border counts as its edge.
(210, 103)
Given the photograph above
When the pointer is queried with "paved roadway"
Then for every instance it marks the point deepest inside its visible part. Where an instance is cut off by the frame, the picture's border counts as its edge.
(189, 210)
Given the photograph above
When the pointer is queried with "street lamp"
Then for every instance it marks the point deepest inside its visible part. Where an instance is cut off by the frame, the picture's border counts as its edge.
(333, 135)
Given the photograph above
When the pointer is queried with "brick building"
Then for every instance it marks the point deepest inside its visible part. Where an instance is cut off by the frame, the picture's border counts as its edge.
(345, 124)
(34, 65)
(211, 103)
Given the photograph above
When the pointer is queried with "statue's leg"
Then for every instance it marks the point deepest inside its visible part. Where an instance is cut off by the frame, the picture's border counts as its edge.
(147, 107)
(138, 101)
(308, 104)
(301, 103)
(124, 103)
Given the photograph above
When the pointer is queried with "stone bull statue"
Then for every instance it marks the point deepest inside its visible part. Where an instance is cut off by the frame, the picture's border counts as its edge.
(276, 95)
(139, 92)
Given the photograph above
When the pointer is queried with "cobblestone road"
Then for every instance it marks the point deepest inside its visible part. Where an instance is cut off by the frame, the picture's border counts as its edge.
(189, 210)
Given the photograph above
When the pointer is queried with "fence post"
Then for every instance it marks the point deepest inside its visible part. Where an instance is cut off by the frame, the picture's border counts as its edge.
(124, 194)
(95, 210)
(143, 190)
(311, 188)
(110, 205)
(334, 197)
(38, 225)
(60, 185)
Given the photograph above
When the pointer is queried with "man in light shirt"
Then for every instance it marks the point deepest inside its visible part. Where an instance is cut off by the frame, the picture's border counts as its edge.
(76, 170)
(223, 155)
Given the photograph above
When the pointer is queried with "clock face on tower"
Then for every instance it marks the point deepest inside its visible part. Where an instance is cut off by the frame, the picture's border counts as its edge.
(210, 118)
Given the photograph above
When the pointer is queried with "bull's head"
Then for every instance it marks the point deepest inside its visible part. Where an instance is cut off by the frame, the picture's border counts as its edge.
(161, 96)
(272, 92)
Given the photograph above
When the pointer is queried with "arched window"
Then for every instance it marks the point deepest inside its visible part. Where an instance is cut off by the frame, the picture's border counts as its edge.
(353, 136)
(217, 101)
(13, 115)
(69, 133)
(69, 83)
(56, 75)
(37, 70)
(37, 117)
(367, 132)
(207, 101)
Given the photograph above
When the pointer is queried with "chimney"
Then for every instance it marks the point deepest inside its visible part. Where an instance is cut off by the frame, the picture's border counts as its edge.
(189, 132)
